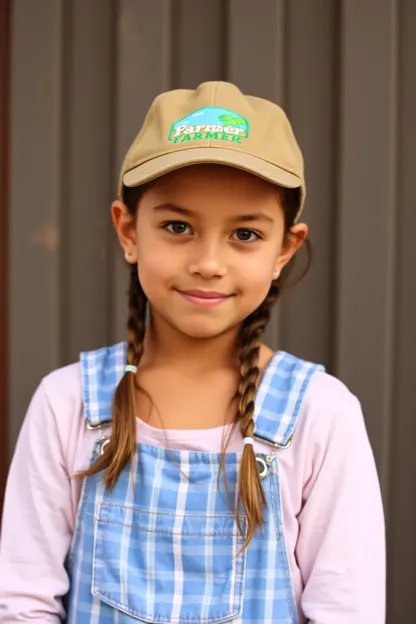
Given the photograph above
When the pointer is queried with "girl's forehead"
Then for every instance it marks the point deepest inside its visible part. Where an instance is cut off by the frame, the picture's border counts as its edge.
(207, 172)
(201, 184)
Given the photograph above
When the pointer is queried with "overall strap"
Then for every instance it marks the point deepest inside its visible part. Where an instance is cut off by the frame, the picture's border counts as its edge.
(278, 400)
(101, 372)
(280, 396)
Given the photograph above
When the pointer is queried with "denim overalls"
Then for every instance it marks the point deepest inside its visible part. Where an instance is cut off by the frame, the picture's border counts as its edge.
(164, 547)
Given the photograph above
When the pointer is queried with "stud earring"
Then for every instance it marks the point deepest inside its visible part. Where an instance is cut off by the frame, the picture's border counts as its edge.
(276, 274)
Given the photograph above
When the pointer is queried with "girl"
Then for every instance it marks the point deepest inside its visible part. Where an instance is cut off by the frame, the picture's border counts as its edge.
(191, 474)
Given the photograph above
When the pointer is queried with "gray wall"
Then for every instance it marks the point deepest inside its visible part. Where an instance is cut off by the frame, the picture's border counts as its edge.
(83, 75)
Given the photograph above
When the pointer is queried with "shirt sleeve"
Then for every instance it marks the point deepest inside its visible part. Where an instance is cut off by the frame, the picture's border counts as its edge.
(341, 544)
(36, 532)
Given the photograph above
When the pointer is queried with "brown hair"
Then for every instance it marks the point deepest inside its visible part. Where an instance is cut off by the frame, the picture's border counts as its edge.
(122, 445)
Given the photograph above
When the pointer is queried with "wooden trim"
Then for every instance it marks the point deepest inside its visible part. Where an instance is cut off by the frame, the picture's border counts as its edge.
(5, 15)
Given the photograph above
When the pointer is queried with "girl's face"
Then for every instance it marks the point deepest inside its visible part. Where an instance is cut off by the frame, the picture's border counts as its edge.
(206, 240)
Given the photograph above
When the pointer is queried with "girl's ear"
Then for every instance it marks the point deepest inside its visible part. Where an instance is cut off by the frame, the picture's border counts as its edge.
(125, 228)
(293, 241)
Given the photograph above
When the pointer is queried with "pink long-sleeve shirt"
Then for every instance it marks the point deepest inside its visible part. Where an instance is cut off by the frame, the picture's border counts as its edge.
(332, 511)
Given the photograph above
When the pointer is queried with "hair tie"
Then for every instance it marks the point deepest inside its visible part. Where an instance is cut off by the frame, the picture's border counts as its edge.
(130, 368)
(248, 441)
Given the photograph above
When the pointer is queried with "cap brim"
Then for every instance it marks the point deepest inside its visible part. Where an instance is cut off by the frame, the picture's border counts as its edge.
(160, 165)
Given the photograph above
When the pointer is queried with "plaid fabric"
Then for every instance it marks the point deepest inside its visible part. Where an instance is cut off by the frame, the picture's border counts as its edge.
(101, 371)
(280, 396)
(163, 547)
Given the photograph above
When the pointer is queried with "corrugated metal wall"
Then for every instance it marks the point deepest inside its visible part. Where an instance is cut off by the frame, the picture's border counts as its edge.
(83, 74)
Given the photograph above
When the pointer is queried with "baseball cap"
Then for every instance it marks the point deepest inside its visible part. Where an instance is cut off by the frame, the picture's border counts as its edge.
(215, 123)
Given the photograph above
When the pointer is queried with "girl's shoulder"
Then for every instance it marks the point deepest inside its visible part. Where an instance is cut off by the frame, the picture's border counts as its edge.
(327, 391)
(322, 390)
(74, 385)
(77, 394)
(63, 386)
(302, 396)
(331, 414)
(59, 397)
(54, 421)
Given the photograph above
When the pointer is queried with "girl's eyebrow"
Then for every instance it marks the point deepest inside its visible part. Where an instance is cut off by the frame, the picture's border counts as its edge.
(244, 218)
(173, 208)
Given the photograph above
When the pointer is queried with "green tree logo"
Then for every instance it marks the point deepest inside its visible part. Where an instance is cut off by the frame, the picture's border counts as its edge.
(232, 121)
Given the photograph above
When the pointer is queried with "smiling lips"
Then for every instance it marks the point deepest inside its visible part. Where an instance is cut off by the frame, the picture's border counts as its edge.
(204, 298)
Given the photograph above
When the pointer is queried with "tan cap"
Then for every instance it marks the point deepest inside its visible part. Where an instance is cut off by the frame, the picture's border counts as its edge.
(216, 123)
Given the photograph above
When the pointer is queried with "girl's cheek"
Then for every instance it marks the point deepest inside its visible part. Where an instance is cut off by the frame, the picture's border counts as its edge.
(152, 252)
(258, 274)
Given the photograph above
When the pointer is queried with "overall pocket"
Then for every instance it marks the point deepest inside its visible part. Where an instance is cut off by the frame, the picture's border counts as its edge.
(162, 567)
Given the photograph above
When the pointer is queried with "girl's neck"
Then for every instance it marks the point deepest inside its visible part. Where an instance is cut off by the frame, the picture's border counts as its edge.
(164, 346)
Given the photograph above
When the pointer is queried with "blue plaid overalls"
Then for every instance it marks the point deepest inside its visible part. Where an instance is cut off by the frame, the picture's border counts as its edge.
(163, 547)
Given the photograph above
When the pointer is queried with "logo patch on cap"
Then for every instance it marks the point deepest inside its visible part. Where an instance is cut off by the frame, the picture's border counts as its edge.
(211, 122)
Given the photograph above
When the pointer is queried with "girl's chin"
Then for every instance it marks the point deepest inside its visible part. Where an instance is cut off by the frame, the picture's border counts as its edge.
(205, 330)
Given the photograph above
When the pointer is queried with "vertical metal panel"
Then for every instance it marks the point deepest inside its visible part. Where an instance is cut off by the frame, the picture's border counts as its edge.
(402, 501)
(143, 71)
(199, 32)
(35, 197)
(87, 175)
(256, 47)
(311, 101)
(367, 213)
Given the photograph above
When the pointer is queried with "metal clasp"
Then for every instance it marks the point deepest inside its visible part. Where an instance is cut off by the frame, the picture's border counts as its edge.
(283, 447)
(276, 445)
(100, 425)
(104, 442)
(100, 446)
(265, 464)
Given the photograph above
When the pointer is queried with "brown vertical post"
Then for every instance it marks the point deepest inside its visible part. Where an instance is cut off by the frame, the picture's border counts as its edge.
(4, 143)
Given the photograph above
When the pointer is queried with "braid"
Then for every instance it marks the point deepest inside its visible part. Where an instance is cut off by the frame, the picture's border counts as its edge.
(122, 445)
(250, 491)
(136, 324)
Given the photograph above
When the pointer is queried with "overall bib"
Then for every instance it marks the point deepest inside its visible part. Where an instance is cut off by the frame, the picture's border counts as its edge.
(163, 546)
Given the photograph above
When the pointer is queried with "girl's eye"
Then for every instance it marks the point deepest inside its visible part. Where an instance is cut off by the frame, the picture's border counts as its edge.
(177, 227)
(247, 236)
(180, 228)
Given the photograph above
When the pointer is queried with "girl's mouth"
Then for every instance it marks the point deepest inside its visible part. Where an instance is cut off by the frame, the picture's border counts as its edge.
(204, 298)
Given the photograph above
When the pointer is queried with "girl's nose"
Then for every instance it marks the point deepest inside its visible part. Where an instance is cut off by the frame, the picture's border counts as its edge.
(208, 263)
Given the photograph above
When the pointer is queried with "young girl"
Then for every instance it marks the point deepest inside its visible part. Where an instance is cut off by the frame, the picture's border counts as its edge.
(191, 475)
